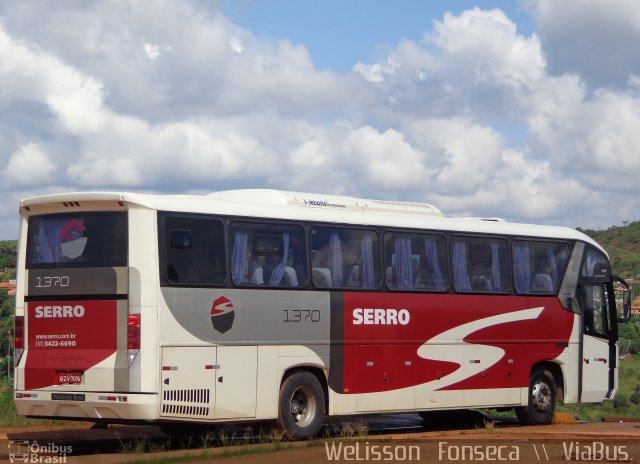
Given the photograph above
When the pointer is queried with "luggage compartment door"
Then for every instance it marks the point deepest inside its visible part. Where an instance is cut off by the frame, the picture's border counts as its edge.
(188, 382)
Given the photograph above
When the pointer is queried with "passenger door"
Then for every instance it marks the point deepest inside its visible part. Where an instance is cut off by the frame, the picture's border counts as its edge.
(598, 357)
(599, 351)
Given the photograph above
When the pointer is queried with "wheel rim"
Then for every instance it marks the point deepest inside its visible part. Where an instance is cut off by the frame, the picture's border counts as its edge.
(541, 396)
(303, 406)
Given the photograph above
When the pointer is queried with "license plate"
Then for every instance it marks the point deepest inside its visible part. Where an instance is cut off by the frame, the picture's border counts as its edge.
(68, 396)
(69, 378)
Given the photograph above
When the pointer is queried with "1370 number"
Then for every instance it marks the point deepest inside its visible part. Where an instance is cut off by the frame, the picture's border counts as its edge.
(52, 281)
(302, 315)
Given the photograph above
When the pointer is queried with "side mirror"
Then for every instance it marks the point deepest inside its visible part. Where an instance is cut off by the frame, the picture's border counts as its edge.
(623, 309)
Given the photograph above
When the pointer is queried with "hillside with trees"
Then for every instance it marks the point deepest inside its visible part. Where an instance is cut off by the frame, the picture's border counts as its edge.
(8, 250)
(7, 303)
(623, 245)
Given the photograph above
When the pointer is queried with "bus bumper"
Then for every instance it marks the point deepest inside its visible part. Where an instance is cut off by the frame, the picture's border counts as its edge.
(87, 405)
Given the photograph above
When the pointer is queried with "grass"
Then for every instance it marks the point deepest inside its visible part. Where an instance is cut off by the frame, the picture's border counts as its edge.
(8, 414)
(487, 427)
(263, 440)
(356, 429)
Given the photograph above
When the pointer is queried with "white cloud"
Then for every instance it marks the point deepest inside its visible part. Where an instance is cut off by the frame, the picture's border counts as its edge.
(236, 45)
(152, 51)
(28, 74)
(172, 96)
(460, 150)
(383, 161)
(595, 39)
(28, 166)
(485, 45)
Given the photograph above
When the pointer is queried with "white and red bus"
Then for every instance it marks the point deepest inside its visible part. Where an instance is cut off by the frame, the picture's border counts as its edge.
(261, 304)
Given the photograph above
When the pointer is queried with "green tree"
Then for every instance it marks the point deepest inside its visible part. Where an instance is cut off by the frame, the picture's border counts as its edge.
(7, 309)
(629, 333)
(8, 251)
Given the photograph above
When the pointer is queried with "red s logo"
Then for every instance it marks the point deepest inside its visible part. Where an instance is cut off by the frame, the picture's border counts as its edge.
(222, 314)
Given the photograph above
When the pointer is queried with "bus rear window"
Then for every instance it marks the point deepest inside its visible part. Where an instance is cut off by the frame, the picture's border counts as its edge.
(96, 239)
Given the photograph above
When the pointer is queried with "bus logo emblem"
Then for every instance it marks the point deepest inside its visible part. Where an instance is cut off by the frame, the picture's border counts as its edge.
(222, 314)
(73, 238)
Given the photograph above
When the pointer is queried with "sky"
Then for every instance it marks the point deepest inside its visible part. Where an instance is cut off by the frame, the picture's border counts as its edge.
(525, 110)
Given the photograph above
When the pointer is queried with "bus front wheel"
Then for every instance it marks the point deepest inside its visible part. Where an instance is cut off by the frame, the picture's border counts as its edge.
(301, 405)
(541, 402)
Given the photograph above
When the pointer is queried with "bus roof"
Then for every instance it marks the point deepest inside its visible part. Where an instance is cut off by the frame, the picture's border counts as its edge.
(280, 204)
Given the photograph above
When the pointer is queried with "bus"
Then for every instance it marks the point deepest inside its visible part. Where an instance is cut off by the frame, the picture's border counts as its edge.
(251, 305)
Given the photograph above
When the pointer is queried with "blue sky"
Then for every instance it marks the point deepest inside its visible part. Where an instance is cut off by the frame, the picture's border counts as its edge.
(339, 34)
(515, 109)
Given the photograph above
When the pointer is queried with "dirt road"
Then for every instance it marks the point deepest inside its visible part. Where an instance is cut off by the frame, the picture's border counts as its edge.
(601, 442)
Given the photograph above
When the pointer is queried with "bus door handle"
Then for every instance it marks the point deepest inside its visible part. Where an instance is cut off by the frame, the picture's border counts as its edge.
(221, 379)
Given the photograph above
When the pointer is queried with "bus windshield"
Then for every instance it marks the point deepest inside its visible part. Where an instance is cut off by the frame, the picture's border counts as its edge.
(95, 239)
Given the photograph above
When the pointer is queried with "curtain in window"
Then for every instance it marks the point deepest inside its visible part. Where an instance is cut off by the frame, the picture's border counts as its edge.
(278, 272)
(366, 248)
(403, 264)
(495, 269)
(335, 259)
(49, 241)
(460, 270)
(522, 267)
(561, 259)
(590, 263)
(431, 246)
(239, 257)
(553, 266)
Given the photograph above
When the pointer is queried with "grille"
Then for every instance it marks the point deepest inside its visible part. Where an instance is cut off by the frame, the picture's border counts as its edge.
(186, 402)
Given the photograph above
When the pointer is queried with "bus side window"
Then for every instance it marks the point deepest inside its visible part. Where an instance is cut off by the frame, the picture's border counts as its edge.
(480, 265)
(538, 267)
(415, 262)
(268, 255)
(195, 252)
(344, 258)
(596, 310)
(596, 273)
(596, 266)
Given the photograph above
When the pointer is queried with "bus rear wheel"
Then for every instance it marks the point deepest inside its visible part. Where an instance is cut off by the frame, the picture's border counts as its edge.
(301, 406)
(541, 402)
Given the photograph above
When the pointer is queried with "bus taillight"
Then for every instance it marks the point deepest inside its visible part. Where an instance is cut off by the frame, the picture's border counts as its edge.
(133, 336)
(18, 338)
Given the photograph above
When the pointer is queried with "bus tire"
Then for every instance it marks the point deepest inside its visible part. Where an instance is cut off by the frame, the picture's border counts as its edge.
(541, 399)
(301, 406)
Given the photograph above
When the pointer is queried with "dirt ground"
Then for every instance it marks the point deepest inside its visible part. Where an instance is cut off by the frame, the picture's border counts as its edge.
(600, 442)
(603, 442)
